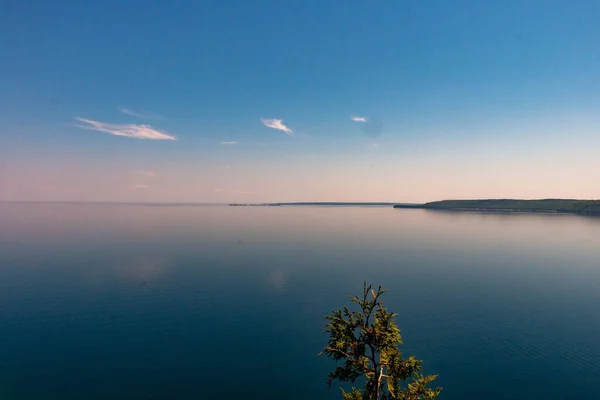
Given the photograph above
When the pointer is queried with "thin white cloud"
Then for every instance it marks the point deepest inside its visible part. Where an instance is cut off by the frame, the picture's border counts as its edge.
(51, 188)
(221, 190)
(146, 173)
(140, 187)
(276, 124)
(359, 119)
(231, 143)
(127, 130)
(129, 111)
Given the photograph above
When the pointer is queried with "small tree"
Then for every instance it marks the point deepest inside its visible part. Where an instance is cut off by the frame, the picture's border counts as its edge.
(367, 341)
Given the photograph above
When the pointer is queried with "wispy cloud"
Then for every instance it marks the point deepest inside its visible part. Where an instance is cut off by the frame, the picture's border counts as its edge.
(146, 173)
(140, 187)
(232, 191)
(129, 111)
(359, 119)
(276, 124)
(231, 143)
(127, 130)
(58, 189)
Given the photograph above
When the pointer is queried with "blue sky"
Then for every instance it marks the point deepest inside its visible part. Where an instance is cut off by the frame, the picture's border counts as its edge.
(461, 99)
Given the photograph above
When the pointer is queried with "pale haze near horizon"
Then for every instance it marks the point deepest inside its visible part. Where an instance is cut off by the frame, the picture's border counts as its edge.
(390, 102)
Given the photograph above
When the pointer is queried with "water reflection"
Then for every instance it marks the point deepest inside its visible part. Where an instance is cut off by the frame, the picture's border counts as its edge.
(277, 279)
(140, 302)
(144, 269)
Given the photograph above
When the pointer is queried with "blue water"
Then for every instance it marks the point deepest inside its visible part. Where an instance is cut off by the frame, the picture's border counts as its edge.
(124, 301)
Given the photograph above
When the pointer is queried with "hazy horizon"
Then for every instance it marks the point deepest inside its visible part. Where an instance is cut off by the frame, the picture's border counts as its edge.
(262, 202)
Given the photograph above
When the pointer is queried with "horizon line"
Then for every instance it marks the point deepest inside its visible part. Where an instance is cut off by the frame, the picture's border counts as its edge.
(198, 203)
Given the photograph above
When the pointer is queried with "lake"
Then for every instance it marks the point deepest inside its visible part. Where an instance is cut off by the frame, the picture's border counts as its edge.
(205, 302)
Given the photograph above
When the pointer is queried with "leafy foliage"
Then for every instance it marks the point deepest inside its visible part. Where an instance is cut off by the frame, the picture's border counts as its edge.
(365, 344)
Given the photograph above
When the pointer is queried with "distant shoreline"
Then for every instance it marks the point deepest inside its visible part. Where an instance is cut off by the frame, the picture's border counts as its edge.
(322, 204)
(544, 206)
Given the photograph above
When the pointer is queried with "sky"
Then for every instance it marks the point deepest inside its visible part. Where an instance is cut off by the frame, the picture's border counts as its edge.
(271, 101)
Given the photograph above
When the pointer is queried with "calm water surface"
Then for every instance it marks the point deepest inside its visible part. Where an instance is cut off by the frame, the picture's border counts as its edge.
(151, 302)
